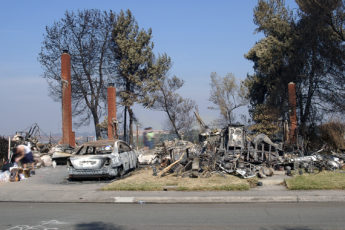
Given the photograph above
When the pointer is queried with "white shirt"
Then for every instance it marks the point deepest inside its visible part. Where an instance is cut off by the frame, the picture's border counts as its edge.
(27, 149)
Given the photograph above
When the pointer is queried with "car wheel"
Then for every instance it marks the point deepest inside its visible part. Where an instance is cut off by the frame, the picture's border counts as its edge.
(121, 171)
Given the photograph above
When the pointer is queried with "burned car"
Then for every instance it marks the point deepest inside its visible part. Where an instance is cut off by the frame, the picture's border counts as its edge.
(103, 158)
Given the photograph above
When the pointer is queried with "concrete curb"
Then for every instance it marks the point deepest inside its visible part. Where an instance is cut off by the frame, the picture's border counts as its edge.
(191, 200)
(227, 199)
(206, 200)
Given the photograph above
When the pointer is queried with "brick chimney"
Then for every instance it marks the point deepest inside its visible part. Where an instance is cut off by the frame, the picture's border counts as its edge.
(111, 92)
(67, 134)
(292, 113)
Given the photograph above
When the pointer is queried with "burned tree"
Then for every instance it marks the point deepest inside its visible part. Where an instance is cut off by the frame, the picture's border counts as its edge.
(179, 110)
(86, 35)
(226, 95)
(180, 113)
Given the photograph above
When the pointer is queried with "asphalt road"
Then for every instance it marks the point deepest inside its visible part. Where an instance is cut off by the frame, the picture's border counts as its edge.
(84, 216)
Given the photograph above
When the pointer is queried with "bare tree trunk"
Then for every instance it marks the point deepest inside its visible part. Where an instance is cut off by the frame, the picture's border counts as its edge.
(173, 124)
(306, 112)
(166, 109)
(125, 125)
(308, 103)
(130, 112)
(96, 122)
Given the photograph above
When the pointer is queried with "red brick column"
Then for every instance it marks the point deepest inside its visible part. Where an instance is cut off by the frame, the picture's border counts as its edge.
(292, 112)
(72, 139)
(111, 92)
(67, 135)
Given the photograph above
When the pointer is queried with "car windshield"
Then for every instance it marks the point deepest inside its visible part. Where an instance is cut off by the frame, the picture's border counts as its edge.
(123, 147)
(95, 150)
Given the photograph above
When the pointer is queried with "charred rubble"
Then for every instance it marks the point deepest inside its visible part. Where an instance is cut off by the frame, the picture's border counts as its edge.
(44, 153)
(233, 150)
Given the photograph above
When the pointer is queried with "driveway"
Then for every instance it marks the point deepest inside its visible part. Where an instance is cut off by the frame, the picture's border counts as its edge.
(48, 184)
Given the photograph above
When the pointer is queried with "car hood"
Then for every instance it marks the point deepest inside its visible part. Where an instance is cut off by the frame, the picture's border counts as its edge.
(61, 155)
(89, 161)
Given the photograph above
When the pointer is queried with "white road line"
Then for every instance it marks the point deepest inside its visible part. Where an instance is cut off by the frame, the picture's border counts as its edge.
(42, 226)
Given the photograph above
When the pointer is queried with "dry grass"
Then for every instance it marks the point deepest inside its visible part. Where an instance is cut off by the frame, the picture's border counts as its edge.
(142, 180)
(323, 180)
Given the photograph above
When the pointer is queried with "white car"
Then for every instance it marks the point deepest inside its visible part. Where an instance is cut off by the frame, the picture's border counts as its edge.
(103, 158)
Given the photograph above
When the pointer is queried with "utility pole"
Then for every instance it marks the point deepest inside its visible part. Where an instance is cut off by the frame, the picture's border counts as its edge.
(137, 136)
(9, 148)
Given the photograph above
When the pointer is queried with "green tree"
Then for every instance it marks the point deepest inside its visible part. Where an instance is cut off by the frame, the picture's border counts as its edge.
(134, 64)
(86, 35)
(271, 55)
(266, 120)
(326, 19)
(303, 48)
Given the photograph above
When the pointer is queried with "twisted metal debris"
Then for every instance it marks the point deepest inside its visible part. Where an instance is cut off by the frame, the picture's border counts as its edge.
(232, 150)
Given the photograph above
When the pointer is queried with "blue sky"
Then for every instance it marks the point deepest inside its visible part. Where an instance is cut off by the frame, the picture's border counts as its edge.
(200, 36)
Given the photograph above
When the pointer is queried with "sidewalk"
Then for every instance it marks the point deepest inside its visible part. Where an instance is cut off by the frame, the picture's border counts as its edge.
(50, 185)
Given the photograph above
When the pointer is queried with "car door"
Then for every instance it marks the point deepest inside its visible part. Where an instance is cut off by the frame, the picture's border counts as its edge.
(132, 158)
(124, 157)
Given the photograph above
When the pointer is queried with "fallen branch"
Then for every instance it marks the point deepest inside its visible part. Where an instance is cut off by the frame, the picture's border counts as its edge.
(167, 169)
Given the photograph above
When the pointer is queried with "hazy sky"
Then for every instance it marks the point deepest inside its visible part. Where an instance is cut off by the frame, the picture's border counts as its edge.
(200, 36)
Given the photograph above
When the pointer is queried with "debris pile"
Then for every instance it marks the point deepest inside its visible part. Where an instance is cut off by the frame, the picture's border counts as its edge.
(176, 156)
(232, 150)
(319, 161)
(60, 153)
(31, 136)
(44, 154)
